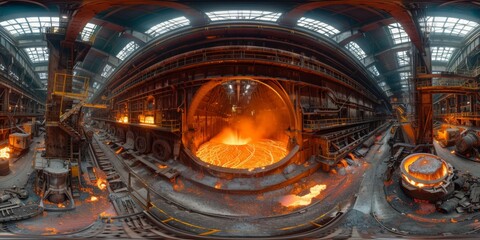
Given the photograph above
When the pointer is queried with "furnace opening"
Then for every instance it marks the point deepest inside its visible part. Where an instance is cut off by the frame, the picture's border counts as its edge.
(241, 124)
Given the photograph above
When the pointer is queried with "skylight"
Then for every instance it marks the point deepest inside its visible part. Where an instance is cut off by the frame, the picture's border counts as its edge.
(96, 85)
(243, 15)
(356, 50)
(373, 69)
(87, 32)
(442, 54)
(168, 25)
(43, 75)
(127, 50)
(398, 34)
(450, 26)
(107, 71)
(404, 76)
(317, 26)
(37, 54)
(29, 25)
(402, 58)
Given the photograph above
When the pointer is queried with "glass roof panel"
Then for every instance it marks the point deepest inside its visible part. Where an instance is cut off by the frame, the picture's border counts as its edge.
(37, 54)
(356, 50)
(168, 25)
(398, 34)
(87, 32)
(127, 50)
(317, 26)
(43, 75)
(243, 15)
(405, 76)
(20, 26)
(107, 71)
(442, 54)
(402, 58)
(448, 25)
(374, 70)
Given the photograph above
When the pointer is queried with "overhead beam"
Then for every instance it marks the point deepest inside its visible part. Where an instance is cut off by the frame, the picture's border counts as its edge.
(128, 33)
(346, 37)
(396, 9)
(89, 9)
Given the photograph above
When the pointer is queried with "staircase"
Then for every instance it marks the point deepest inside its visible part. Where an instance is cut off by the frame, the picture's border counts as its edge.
(71, 131)
(72, 111)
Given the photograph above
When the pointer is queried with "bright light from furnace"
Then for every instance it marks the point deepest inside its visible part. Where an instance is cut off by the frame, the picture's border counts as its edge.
(4, 152)
(295, 200)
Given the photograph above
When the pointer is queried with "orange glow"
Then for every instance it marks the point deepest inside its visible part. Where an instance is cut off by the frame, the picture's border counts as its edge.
(453, 151)
(294, 200)
(105, 215)
(101, 184)
(61, 205)
(246, 144)
(93, 199)
(249, 156)
(161, 166)
(4, 152)
(119, 150)
(421, 162)
(123, 119)
(149, 120)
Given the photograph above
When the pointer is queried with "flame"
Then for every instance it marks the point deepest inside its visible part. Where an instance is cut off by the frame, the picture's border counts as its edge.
(101, 184)
(105, 215)
(4, 152)
(294, 200)
(161, 166)
(61, 205)
(93, 199)
(123, 119)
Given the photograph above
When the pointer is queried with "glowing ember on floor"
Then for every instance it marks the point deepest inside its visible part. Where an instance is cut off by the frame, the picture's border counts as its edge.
(4, 152)
(93, 199)
(61, 205)
(250, 155)
(294, 200)
(101, 184)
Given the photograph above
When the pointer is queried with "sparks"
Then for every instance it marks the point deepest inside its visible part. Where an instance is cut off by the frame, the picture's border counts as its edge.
(101, 184)
(295, 200)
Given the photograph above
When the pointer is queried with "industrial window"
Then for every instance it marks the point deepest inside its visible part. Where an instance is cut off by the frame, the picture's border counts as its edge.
(356, 50)
(389, 93)
(2, 67)
(37, 54)
(402, 58)
(168, 25)
(449, 25)
(317, 26)
(96, 85)
(13, 75)
(398, 34)
(43, 75)
(107, 71)
(243, 15)
(127, 50)
(87, 32)
(442, 54)
(404, 76)
(374, 70)
(29, 25)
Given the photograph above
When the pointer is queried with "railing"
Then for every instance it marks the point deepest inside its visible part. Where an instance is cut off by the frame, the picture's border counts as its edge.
(236, 53)
(334, 122)
(448, 82)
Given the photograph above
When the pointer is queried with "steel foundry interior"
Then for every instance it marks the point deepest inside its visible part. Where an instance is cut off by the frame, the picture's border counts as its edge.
(334, 119)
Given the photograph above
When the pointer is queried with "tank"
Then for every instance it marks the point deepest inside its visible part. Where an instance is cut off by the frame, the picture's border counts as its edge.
(56, 174)
(19, 141)
(4, 167)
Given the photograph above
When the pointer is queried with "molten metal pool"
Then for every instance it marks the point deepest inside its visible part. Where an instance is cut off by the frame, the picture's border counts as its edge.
(231, 151)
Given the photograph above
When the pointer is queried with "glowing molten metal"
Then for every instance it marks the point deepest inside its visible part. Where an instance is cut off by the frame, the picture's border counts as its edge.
(233, 151)
(101, 184)
(294, 200)
(424, 171)
(4, 152)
